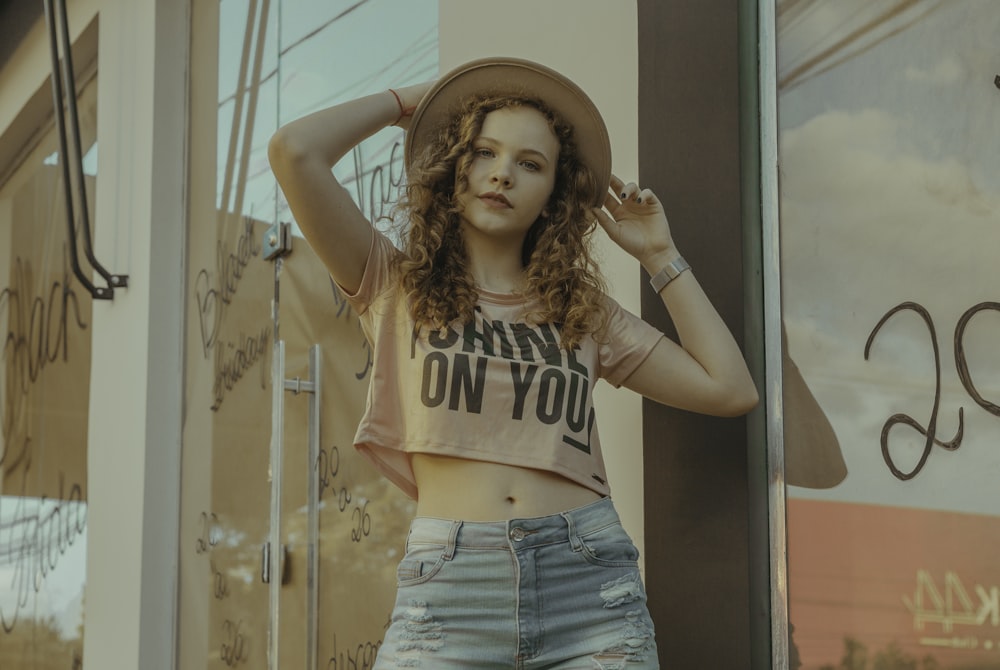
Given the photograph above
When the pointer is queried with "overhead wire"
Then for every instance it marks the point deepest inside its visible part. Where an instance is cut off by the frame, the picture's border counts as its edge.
(817, 63)
(865, 48)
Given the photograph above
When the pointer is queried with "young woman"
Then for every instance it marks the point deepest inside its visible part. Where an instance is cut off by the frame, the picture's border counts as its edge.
(489, 329)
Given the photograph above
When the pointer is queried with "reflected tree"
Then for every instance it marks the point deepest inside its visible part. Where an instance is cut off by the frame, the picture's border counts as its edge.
(855, 655)
(37, 644)
(891, 658)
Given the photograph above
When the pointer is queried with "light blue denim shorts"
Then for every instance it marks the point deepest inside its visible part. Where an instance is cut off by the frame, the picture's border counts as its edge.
(554, 592)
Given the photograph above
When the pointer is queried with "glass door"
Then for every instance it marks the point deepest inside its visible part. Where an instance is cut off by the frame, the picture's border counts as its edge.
(289, 538)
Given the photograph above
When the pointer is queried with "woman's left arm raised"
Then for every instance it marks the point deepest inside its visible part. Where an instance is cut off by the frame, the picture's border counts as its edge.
(706, 372)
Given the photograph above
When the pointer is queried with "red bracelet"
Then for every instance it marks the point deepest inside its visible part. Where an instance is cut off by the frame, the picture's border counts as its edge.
(403, 111)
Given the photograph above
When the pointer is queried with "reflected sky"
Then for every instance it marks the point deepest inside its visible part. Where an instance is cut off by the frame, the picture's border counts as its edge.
(305, 55)
(42, 570)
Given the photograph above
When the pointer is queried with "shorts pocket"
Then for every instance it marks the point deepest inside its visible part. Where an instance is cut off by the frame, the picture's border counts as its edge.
(610, 547)
(420, 564)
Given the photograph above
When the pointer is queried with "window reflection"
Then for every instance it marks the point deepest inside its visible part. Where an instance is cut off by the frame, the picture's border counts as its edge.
(890, 193)
(45, 324)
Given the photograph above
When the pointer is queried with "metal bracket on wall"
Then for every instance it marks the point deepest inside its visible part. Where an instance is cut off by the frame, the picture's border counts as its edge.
(277, 241)
(113, 281)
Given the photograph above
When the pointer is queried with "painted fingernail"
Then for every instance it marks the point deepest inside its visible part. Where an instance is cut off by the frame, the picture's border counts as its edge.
(638, 200)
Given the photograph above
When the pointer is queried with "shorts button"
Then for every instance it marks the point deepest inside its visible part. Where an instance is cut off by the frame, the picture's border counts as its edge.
(517, 534)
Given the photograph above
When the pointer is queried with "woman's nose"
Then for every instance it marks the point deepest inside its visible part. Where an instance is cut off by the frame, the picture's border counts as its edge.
(502, 174)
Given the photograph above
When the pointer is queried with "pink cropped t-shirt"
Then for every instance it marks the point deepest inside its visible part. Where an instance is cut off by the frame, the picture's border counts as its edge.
(497, 389)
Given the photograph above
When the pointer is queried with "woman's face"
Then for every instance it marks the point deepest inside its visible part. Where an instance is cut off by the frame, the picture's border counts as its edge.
(511, 176)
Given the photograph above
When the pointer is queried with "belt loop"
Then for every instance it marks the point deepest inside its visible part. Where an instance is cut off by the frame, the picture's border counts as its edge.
(574, 541)
(449, 550)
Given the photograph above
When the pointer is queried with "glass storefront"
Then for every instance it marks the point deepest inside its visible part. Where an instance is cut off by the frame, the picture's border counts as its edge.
(889, 124)
(286, 535)
(45, 322)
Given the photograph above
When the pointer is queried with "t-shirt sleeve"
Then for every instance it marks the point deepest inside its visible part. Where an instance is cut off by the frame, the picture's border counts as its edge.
(376, 275)
(625, 343)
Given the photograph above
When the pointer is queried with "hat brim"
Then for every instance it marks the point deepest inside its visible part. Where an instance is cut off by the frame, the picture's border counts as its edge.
(514, 76)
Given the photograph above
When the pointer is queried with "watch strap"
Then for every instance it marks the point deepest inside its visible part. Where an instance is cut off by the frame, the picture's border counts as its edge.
(669, 273)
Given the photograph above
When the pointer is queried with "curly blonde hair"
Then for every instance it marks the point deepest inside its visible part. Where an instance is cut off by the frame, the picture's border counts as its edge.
(563, 282)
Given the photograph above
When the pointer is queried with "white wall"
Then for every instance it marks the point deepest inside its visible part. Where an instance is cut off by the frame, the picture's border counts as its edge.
(594, 43)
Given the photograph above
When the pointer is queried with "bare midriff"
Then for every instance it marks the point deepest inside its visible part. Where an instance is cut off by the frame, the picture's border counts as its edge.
(456, 488)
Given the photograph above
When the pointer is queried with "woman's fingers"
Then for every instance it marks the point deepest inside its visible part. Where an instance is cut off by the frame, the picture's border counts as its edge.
(630, 192)
(611, 200)
(608, 223)
(646, 197)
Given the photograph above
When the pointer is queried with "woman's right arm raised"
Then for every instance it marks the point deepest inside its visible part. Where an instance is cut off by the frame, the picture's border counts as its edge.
(302, 155)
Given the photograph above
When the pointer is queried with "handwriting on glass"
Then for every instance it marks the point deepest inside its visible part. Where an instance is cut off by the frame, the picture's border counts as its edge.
(345, 312)
(214, 292)
(209, 536)
(39, 328)
(327, 468)
(234, 644)
(234, 359)
(929, 432)
(38, 334)
(383, 182)
(37, 534)
(213, 298)
(361, 657)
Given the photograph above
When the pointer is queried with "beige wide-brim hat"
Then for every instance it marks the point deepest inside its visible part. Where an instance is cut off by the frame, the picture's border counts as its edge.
(514, 76)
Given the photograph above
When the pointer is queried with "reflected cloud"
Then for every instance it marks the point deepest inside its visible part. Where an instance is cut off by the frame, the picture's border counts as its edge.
(855, 193)
(948, 71)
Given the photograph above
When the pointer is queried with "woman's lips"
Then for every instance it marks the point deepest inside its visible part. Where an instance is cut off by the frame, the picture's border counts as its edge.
(497, 200)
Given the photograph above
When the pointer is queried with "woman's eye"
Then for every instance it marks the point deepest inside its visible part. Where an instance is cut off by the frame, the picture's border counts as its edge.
(484, 153)
(530, 165)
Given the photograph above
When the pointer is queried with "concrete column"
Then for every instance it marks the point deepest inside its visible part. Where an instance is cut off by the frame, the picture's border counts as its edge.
(136, 378)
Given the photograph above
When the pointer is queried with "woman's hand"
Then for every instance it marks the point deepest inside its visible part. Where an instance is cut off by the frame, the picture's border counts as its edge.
(638, 224)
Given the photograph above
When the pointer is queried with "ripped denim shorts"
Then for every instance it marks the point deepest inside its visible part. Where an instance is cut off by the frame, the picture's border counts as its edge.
(558, 592)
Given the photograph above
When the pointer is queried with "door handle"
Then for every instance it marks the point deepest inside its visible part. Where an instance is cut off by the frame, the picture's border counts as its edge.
(276, 573)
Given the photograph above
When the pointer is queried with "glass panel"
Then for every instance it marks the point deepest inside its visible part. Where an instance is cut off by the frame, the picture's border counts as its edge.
(225, 508)
(45, 320)
(362, 517)
(890, 203)
(256, 58)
